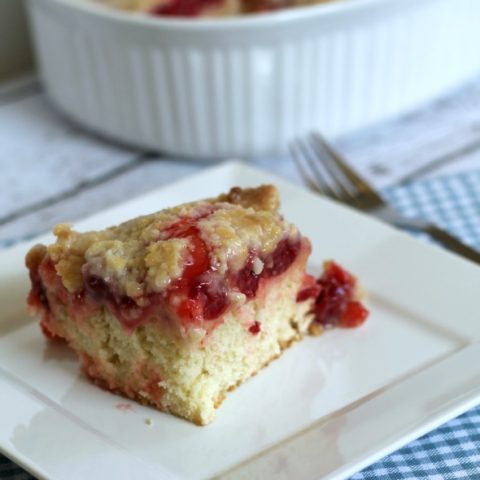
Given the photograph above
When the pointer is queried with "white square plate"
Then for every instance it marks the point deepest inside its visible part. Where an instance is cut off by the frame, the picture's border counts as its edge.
(328, 407)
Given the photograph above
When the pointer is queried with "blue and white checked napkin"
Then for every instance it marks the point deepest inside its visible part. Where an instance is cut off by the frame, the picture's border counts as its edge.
(452, 451)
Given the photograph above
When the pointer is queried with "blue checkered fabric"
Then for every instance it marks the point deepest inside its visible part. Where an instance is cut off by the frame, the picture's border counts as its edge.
(449, 452)
(11, 471)
(452, 451)
(452, 202)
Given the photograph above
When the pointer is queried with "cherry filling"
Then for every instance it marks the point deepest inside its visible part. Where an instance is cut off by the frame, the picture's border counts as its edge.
(97, 288)
(206, 299)
(281, 258)
(310, 288)
(335, 304)
(37, 296)
(204, 292)
(201, 293)
(256, 6)
(274, 264)
(43, 276)
(184, 8)
(212, 295)
(247, 280)
(123, 307)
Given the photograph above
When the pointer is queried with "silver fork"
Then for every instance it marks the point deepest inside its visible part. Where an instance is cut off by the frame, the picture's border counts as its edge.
(327, 172)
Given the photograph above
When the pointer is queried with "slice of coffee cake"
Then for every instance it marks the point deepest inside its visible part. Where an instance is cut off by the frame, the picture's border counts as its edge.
(176, 308)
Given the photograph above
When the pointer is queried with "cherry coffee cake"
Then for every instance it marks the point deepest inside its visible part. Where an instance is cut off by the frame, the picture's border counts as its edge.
(176, 308)
(205, 8)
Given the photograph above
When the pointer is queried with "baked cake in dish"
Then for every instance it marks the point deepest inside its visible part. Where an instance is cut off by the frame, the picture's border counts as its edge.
(205, 8)
(176, 308)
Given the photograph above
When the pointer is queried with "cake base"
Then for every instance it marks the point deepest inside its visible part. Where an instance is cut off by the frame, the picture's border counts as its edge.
(186, 373)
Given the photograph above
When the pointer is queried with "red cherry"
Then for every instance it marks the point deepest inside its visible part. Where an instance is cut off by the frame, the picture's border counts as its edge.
(334, 304)
(255, 328)
(281, 258)
(354, 315)
(211, 294)
(310, 288)
(190, 310)
(183, 8)
(247, 280)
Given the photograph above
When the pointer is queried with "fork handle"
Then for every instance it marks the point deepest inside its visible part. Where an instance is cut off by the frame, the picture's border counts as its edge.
(452, 243)
(442, 236)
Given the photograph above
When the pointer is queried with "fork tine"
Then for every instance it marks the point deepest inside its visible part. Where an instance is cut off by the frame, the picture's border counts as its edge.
(297, 159)
(346, 191)
(361, 185)
(306, 162)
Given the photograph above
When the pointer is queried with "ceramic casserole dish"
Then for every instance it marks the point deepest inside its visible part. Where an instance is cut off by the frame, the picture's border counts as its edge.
(247, 85)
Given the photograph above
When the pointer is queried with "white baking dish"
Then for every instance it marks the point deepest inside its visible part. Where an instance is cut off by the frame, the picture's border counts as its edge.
(246, 86)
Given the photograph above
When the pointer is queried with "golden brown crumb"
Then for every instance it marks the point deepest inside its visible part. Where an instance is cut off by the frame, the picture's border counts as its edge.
(264, 197)
(315, 329)
(35, 256)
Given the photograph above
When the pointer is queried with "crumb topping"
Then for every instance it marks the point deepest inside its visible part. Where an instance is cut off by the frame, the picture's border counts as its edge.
(265, 197)
(141, 256)
(233, 231)
(164, 262)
